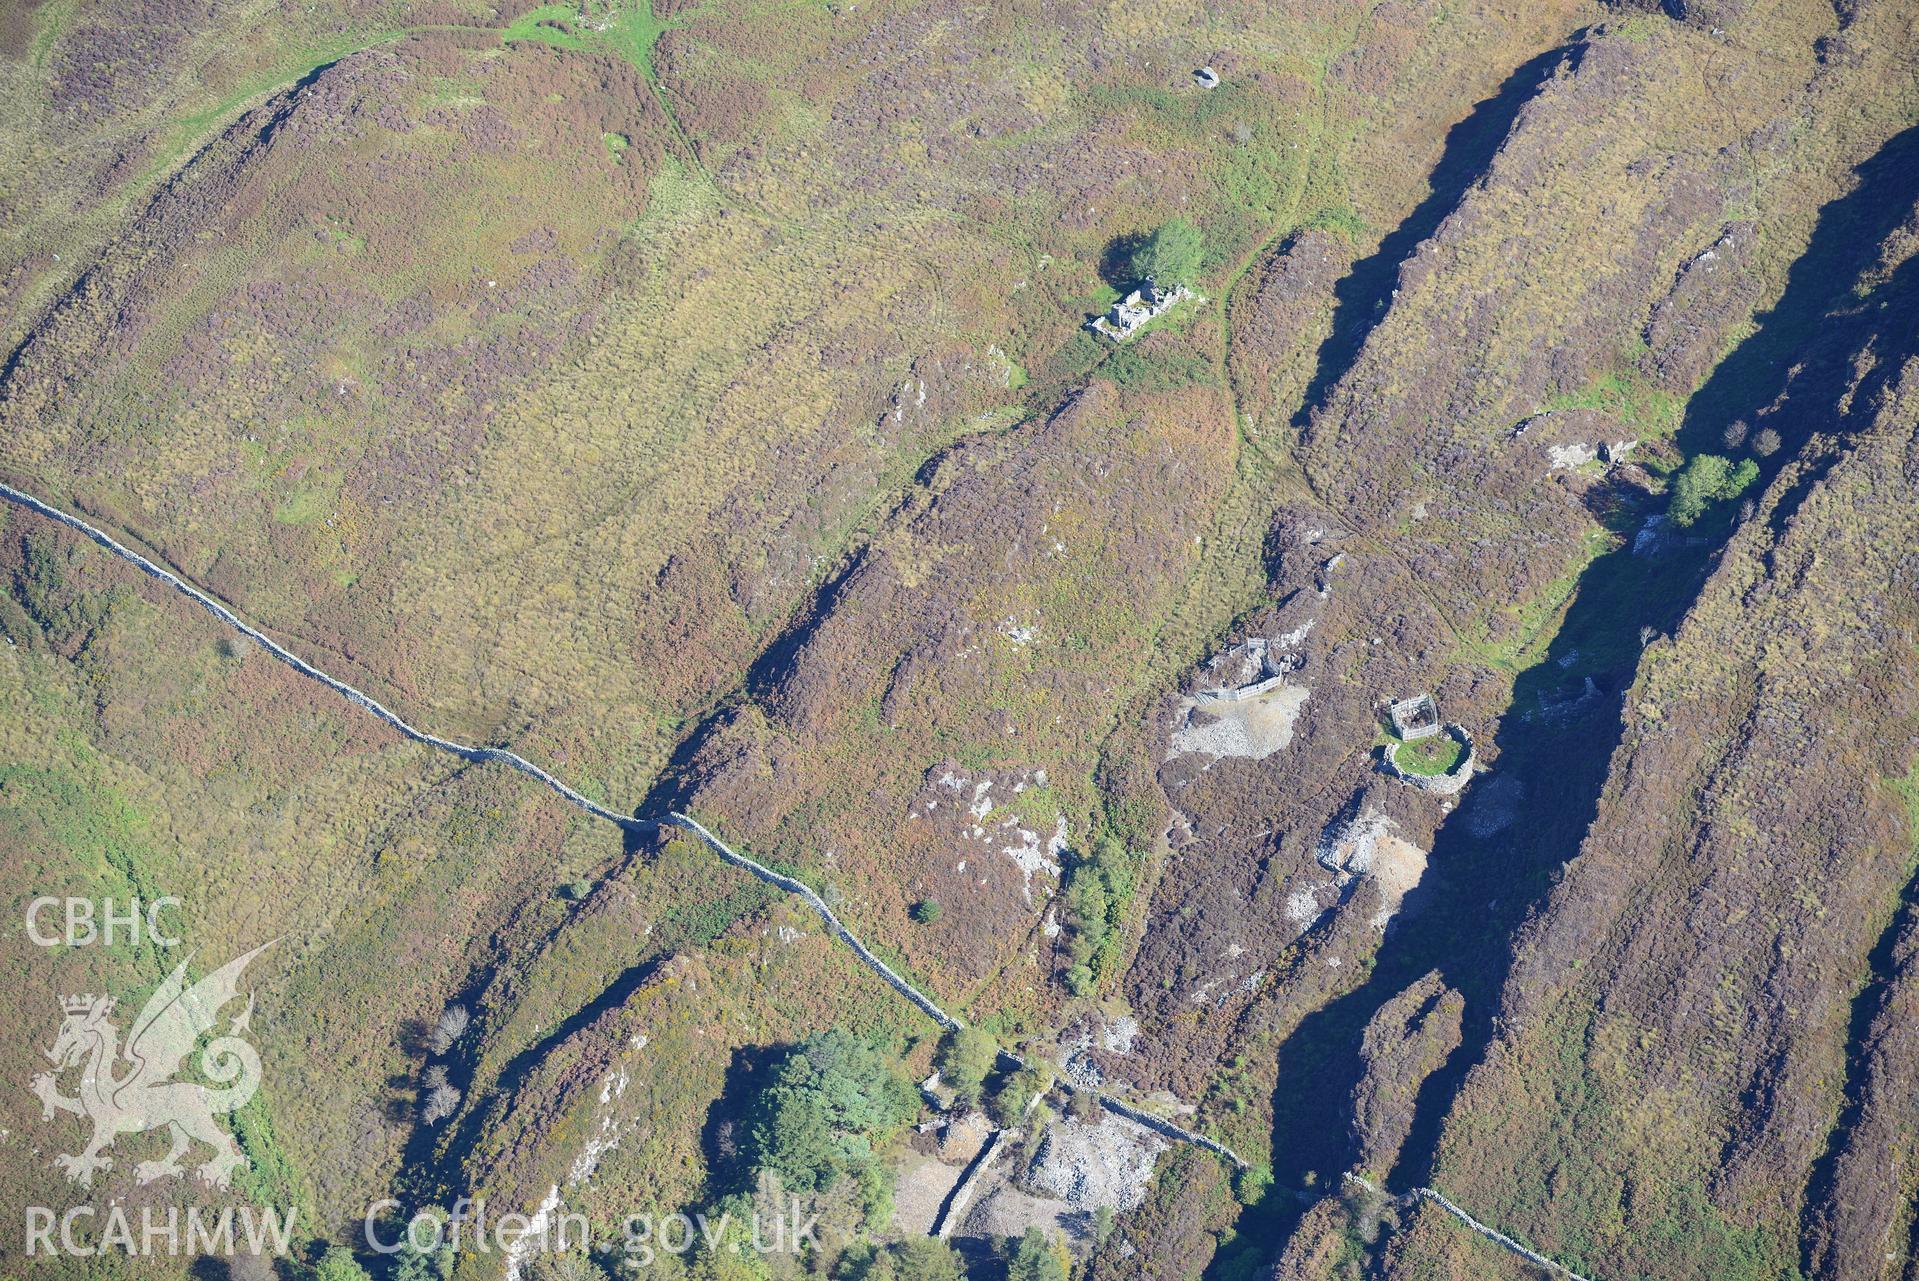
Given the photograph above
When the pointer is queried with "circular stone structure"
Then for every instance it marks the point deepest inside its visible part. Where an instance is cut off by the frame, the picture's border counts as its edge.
(1441, 784)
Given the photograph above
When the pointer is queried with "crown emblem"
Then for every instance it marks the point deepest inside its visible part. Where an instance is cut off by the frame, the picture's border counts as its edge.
(80, 1004)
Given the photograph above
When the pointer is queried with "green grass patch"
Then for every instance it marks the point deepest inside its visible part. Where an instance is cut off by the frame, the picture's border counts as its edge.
(626, 30)
(1538, 619)
(1341, 219)
(301, 507)
(299, 63)
(1626, 395)
(51, 21)
(1429, 757)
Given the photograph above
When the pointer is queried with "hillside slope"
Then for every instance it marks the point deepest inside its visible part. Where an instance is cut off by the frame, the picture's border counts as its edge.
(696, 399)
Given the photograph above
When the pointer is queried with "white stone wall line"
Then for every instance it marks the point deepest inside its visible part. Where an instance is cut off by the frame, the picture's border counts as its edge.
(1490, 1233)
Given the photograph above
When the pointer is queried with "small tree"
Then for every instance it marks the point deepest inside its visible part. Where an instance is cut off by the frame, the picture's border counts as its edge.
(927, 911)
(450, 1028)
(965, 1057)
(1765, 442)
(1172, 255)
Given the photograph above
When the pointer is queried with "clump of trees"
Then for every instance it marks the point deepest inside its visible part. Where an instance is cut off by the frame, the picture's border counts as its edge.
(413, 1263)
(442, 1097)
(914, 1259)
(1707, 479)
(1015, 1094)
(830, 1102)
(1098, 889)
(1034, 1257)
(1172, 255)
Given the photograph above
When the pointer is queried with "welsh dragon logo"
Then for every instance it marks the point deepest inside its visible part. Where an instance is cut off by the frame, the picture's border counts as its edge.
(127, 1091)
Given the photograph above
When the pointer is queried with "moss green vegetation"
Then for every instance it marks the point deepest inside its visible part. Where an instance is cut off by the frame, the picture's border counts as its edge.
(628, 30)
(1142, 365)
(701, 923)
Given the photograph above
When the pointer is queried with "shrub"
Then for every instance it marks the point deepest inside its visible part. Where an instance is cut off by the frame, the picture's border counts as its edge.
(923, 1259)
(548, 1265)
(926, 911)
(1171, 255)
(1250, 1183)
